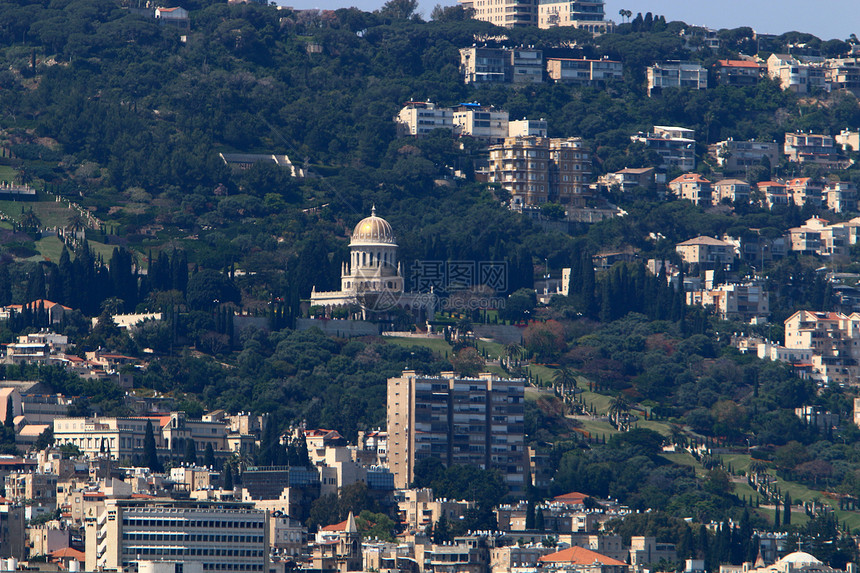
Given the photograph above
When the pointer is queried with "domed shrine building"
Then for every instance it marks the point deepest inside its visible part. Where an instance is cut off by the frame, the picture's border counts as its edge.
(371, 284)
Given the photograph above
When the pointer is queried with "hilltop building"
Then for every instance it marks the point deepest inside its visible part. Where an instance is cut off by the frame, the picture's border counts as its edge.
(675, 145)
(676, 75)
(588, 15)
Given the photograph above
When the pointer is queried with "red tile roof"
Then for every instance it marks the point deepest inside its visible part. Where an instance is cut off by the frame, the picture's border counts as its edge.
(336, 526)
(580, 556)
(572, 497)
(68, 552)
(738, 64)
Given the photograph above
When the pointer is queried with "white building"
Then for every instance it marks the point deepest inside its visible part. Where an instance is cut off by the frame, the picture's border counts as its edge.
(675, 145)
(481, 122)
(422, 117)
(676, 75)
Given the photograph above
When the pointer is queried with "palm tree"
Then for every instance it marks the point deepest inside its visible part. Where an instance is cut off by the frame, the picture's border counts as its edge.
(618, 406)
(565, 378)
(76, 223)
(30, 222)
(514, 352)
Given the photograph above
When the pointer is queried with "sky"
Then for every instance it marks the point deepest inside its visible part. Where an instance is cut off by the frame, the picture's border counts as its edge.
(826, 19)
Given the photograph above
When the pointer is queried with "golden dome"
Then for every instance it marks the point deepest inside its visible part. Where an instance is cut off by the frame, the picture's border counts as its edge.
(373, 229)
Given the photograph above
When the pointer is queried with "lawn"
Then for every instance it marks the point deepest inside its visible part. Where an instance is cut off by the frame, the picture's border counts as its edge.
(50, 213)
(437, 345)
(7, 173)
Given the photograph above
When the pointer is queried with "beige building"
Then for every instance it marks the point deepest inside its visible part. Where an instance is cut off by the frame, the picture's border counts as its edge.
(732, 190)
(692, 187)
(503, 13)
(832, 338)
(419, 509)
(817, 237)
(841, 196)
(812, 148)
(481, 65)
(222, 536)
(583, 71)
(795, 75)
(706, 251)
(805, 190)
(472, 421)
(588, 15)
(536, 170)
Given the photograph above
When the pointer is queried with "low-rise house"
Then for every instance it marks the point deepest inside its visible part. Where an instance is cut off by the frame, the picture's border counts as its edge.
(707, 252)
(582, 560)
(773, 194)
(737, 72)
(628, 178)
(731, 190)
(692, 187)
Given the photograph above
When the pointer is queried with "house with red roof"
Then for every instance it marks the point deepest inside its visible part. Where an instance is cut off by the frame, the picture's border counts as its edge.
(582, 560)
(738, 72)
(692, 187)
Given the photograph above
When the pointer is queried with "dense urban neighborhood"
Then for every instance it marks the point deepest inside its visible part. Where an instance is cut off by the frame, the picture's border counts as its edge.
(514, 287)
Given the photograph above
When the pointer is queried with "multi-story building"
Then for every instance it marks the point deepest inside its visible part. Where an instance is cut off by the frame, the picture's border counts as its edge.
(419, 509)
(805, 191)
(588, 15)
(812, 148)
(773, 194)
(536, 170)
(676, 75)
(583, 71)
(527, 127)
(832, 339)
(848, 140)
(816, 237)
(675, 145)
(692, 187)
(582, 560)
(746, 302)
(736, 156)
(843, 74)
(34, 486)
(472, 421)
(502, 12)
(222, 536)
(480, 65)
(795, 75)
(732, 190)
(481, 122)
(628, 178)
(841, 196)
(422, 117)
(737, 72)
(706, 251)
(123, 438)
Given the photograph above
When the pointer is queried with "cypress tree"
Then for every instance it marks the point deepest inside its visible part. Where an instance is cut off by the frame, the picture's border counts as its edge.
(9, 422)
(209, 456)
(786, 513)
(776, 521)
(150, 453)
(530, 516)
(190, 451)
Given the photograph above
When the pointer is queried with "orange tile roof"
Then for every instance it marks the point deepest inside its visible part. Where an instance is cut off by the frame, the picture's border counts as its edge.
(738, 64)
(572, 497)
(68, 552)
(335, 526)
(580, 556)
(688, 177)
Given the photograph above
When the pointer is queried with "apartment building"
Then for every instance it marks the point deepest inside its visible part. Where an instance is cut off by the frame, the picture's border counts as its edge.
(419, 509)
(473, 421)
(736, 156)
(692, 187)
(480, 122)
(222, 536)
(848, 140)
(536, 170)
(706, 251)
(811, 148)
(805, 190)
(676, 74)
(481, 65)
(737, 72)
(588, 15)
(832, 339)
(841, 196)
(528, 127)
(422, 117)
(675, 145)
(123, 438)
(628, 178)
(817, 237)
(795, 75)
(773, 194)
(746, 302)
(504, 12)
(731, 190)
(843, 74)
(583, 71)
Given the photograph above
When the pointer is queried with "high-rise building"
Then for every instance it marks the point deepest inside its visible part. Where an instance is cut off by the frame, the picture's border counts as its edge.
(589, 15)
(222, 536)
(470, 421)
(536, 170)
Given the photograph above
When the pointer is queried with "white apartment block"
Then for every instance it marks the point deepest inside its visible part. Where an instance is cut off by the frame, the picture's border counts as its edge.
(746, 302)
(734, 156)
(676, 75)
(675, 145)
(481, 122)
(422, 117)
(480, 65)
(223, 536)
(528, 127)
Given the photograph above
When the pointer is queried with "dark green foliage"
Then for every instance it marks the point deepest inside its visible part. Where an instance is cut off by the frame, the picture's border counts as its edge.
(150, 453)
